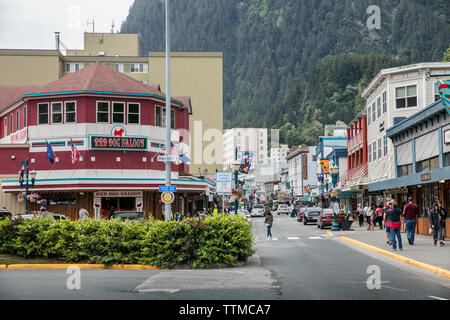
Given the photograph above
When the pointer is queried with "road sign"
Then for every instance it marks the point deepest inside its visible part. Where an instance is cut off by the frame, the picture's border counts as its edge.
(167, 158)
(224, 182)
(167, 188)
(167, 197)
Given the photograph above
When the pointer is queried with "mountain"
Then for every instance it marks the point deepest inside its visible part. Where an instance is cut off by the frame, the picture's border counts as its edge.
(285, 60)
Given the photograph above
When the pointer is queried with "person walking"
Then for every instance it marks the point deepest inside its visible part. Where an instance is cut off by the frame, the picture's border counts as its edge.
(437, 223)
(360, 214)
(83, 213)
(379, 214)
(394, 223)
(268, 222)
(367, 215)
(410, 213)
(371, 219)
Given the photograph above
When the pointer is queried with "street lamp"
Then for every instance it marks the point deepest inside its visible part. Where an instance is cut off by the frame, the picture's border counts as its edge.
(334, 175)
(31, 175)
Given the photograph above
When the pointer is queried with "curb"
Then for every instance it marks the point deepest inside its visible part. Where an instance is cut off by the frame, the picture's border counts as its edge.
(81, 266)
(439, 271)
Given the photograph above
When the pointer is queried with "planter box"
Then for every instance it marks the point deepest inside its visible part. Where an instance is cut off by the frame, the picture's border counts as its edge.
(447, 228)
(423, 226)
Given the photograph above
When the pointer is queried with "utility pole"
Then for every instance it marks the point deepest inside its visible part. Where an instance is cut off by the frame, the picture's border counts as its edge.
(168, 206)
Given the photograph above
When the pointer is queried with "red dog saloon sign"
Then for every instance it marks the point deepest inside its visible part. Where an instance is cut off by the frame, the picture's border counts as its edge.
(118, 140)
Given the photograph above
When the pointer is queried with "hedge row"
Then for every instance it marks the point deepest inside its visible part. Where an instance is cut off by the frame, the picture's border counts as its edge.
(217, 239)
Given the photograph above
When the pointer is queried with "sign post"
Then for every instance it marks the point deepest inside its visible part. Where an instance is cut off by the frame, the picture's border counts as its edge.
(224, 185)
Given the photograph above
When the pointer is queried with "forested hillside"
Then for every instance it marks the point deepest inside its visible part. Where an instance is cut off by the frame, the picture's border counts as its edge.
(298, 64)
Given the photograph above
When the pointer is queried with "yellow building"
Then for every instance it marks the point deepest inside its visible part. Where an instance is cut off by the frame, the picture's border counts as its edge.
(197, 75)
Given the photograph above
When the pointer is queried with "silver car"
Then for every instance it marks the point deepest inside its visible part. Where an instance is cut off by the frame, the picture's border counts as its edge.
(258, 210)
(283, 208)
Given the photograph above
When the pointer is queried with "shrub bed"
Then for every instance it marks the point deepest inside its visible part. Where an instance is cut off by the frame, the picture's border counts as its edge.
(217, 239)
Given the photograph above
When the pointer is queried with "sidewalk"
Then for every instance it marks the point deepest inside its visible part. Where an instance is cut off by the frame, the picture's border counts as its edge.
(422, 250)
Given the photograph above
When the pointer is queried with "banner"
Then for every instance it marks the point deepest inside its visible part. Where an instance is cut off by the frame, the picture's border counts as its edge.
(246, 162)
(444, 92)
(325, 166)
(320, 178)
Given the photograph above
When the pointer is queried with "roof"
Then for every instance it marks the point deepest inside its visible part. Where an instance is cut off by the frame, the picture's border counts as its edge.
(186, 102)
(11, 94)
(296, 150)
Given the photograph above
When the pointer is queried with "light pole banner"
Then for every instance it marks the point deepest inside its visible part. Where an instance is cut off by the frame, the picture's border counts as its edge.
(224, 182)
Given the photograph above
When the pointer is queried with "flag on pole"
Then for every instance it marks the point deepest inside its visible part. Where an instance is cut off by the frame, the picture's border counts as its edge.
(184, 159)
(74, 152)
(21, 174)
(50, 153)
(444, 92)
(325, 166)
(173, 149)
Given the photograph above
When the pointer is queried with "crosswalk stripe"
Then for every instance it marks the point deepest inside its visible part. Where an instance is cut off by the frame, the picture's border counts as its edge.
(315, 238)
(293, 238)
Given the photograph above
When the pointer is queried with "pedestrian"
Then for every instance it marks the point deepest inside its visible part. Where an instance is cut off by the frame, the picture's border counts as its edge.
(360, 213)
(394, 223)
(379, 214)
(215, 211)
(371, 219)
(386, 212)
(410, 213)
(366, 213)
(437, 223)
(83, 213)
(268, 222)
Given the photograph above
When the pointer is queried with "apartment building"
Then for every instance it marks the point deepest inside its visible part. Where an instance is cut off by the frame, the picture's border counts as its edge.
(278, 155)
(238, 141)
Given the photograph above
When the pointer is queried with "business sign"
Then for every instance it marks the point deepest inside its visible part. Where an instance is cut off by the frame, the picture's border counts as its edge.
(117, 194)
(166, 158)
(426, 177)
(167, 197)
(118, 140)
(167, 188)
(224, 182)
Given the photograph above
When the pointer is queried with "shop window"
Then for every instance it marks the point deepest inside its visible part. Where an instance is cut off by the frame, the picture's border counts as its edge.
(405, 170)
(56, 112)
(406, 97)
(118, 112)
(43, 113)
(133, 113)
(434, 163)
(429, 164)
(70, 112)
(102, 112)
(447, 159)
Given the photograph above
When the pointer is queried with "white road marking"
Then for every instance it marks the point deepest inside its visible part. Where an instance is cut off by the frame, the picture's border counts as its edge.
(274, 238)
(315, 238)
(438, 298)
(159, 290)
(293, 238)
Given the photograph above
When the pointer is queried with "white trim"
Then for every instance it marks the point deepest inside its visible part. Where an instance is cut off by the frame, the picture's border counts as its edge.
(128, 112)
(48, 113)
(96, 111)
(62, 112)
(124, 112)
(65, 111)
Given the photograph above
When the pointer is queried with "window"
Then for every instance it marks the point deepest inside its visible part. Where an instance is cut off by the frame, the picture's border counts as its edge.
(379, 107)
(102, 112)
(384, 103)
(370, 153)
(70, 112)
(436, 92)
(428, 164)
(374, 149)
(57, 112)
(406, 97)
(43, 113)
(5, 127)
(368, 116)
(72, 67)
(133, 113)
(139, 68)
(118, 112)
(25, 116)
(404, 170)
(160, 119)
(17, 119)
(385, 147)
(118, 67)
(374, 114)
(11, 123)
(379, 148)
(447, 159)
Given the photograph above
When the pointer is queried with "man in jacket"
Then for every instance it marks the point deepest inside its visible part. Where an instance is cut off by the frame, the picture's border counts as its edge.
(410, 213)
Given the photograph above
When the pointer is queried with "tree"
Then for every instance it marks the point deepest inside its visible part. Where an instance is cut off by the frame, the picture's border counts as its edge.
(447, 55)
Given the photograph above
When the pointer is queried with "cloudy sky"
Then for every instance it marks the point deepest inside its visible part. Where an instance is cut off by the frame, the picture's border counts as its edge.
(31, 24)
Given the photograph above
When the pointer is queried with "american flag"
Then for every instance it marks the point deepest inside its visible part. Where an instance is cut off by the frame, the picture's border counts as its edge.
(173, 149)
(74, 152)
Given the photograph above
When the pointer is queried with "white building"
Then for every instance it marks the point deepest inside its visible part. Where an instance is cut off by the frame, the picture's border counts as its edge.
(302, 168)
(393, 95)
(237, 141)
(278, 155)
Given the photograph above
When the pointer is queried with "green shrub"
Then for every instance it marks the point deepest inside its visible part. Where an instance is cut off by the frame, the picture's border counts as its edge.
(217, 239)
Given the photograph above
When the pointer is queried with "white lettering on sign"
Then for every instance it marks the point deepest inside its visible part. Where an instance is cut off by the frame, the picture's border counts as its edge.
(117, 194)
(20, 136)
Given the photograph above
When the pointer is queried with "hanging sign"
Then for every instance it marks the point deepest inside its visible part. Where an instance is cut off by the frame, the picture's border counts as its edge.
(118, 140)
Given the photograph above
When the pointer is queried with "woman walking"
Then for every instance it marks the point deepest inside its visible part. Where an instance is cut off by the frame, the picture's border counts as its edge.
(379, 214)
(360, 214)
(394, 224)
(268, 221)
(437, 223)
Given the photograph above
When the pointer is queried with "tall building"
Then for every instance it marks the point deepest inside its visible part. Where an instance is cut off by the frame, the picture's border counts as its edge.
(238, 141)
(394, 95)
(197, 75)
(278, 155)
(302, 167)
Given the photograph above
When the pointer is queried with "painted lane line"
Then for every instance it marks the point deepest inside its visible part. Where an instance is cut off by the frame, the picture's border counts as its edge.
(159, 290)
(437, 298)
(274, 238)
(315, 238)
(293, 238)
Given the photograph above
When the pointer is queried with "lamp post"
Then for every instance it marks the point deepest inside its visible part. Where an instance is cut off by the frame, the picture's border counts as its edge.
(31, 174)
(334, 174)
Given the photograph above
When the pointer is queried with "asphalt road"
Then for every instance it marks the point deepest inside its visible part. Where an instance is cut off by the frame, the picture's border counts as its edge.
(300, 263)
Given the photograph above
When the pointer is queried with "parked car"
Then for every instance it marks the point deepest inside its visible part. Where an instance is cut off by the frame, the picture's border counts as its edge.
(244, 213)
(283, 208)
(258, 210)
(326, 218)
(301, 213)
(128, 215)
(311, 214)
(54, 216)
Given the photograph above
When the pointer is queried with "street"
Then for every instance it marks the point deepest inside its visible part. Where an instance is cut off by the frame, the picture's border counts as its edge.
(300, 263)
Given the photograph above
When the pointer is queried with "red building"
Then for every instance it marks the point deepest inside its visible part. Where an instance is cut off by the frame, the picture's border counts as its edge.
(118, 127)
